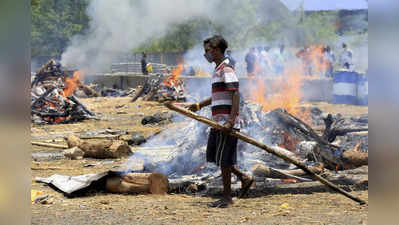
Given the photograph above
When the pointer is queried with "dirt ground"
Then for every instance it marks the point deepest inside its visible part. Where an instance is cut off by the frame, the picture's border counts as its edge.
(277, 206)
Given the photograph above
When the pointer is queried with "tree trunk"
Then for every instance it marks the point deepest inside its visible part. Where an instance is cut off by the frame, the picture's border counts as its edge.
(138, 183)
(100, 149)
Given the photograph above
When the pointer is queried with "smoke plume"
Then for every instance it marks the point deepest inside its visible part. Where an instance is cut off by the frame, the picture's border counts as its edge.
(119, 28)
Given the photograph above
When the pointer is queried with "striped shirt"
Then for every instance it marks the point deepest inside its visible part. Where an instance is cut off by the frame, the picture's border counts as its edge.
(224, 83)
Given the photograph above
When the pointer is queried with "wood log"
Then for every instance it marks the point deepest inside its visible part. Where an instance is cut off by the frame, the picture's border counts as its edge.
(88, 90)
(139, 92)
(306, 131)
(261, 170)
(77, 101)
(265, 171)
(100, 149)
(150, 96)
(341, 160)
(333, 129)
(330, 155)
(269, 149)
(138, 183)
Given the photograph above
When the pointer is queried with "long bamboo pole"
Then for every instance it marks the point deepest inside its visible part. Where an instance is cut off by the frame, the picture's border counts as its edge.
(273, 150)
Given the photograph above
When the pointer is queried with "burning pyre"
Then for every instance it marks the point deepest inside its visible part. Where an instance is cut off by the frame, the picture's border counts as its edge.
(52, 95)
(169, 88)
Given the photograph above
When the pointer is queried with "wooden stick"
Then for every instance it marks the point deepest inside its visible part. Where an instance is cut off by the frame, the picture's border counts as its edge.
(269, 149)
(49, 145)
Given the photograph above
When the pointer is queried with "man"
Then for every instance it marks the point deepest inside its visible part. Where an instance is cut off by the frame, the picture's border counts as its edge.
(346, 58)
(222, 148)
(232, 62)
(306, 57)
(144, 64)
(250, 59)
(329, 59)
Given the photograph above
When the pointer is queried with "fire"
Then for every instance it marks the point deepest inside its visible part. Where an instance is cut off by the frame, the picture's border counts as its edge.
(316, 56)
(173, 79)
(281, 92)
(72, 83)
(288, 143)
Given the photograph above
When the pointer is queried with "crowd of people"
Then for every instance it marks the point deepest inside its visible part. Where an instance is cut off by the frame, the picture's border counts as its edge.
(265, 60)
(318, 60)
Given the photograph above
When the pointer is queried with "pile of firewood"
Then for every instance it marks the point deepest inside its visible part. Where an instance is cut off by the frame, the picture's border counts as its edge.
(161, 89)
(52, 96)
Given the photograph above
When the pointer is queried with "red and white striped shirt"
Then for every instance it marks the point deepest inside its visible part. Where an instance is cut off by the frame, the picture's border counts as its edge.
(224, 83)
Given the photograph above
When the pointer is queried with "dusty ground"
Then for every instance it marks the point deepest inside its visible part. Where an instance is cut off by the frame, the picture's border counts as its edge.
(302, 206)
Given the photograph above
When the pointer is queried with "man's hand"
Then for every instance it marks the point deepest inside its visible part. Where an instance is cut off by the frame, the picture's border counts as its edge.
(229, 125)
(194, 107)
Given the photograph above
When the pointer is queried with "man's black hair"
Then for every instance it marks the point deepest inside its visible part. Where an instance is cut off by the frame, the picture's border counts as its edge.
(217, 41)
(343, 45)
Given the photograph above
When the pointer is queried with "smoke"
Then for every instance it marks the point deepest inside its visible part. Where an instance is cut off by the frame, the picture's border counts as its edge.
(116, 29)
(122, 27)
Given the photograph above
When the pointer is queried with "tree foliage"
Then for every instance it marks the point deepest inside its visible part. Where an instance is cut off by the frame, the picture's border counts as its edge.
(54, 22)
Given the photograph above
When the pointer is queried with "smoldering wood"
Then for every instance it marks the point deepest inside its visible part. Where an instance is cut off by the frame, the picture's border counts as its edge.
(331, 155)
(333, 129)
(269, 149)
(44, 114)
(41, 98)
(77, 101)
(349, 159)
(289, 120)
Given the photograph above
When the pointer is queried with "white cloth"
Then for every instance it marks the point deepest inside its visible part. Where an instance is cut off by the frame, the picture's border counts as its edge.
(346, 57)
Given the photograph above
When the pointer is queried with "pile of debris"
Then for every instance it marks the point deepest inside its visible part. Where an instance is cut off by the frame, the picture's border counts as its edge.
(161, 89)
(52, 96)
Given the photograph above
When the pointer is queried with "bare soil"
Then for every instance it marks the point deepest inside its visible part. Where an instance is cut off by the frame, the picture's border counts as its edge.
(268, 206)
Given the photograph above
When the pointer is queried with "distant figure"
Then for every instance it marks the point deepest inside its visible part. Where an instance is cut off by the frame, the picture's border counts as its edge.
(250, 59)
(329, 59)
(144, 64)
(265, 61)
(279, 60)
(346, 58)
(232, 62)
(305, 55)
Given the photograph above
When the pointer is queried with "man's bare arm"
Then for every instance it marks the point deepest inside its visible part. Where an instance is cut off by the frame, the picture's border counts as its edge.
(205, 102)
(235, 107)
(199, 105)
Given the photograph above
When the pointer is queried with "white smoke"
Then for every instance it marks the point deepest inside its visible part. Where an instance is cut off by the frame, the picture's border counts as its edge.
(117, 28)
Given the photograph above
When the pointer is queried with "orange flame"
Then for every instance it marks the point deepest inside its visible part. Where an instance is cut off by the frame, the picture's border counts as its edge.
(281, 92)
(173, 79)
(289, 143)
(72, 83)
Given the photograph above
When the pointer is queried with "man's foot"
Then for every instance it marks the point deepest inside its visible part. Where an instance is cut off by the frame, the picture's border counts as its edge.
(221, 203)
(245, 185)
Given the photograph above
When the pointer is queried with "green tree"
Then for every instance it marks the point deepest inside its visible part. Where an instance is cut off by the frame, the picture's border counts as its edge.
(54, 22)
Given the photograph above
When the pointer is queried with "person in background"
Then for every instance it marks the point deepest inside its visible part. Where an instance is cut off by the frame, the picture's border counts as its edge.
(346, 58)
(305, 55)
(232, 62)
(144, 64)
(225, 103)
(329, 59)
(250, 59)
(265, 61)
